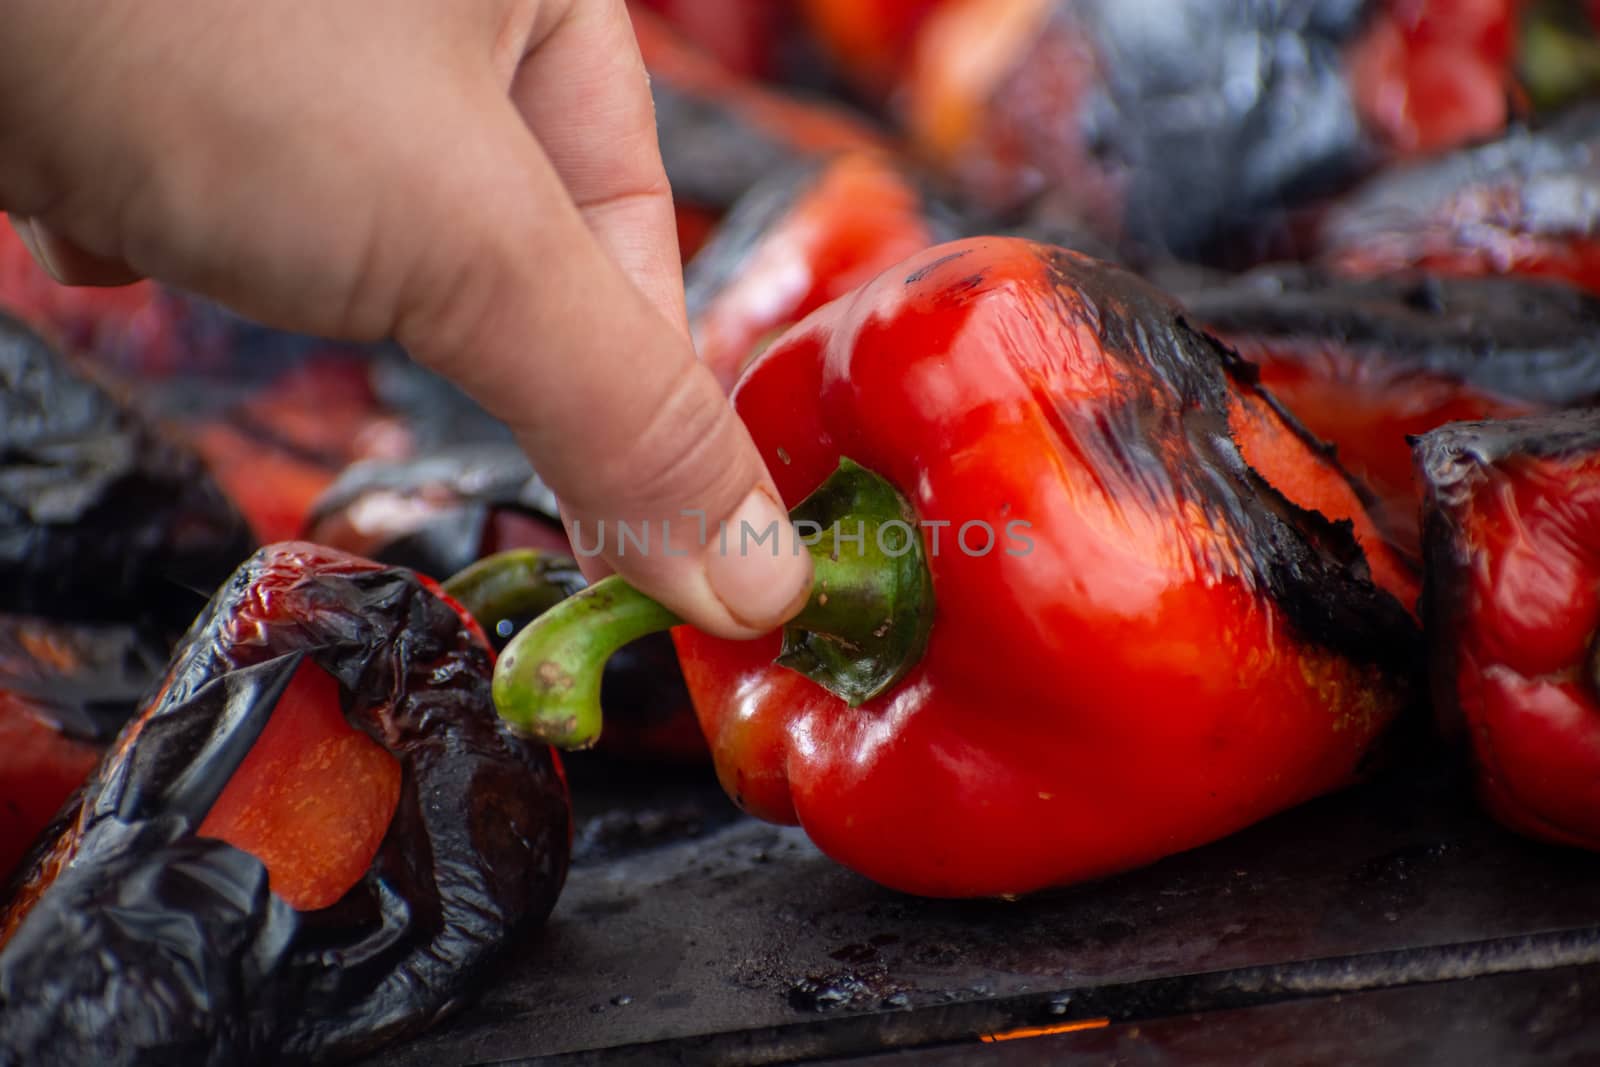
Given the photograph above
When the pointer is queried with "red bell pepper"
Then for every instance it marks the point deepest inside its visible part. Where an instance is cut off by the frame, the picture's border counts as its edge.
(1157, 612)
(1432, 74)
(743, 35)
(65, 689)
(1512, 609)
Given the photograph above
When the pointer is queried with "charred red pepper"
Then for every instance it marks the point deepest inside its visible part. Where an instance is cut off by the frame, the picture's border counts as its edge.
(1158, 611)
(313, 839)
(102, 516)
(1365, 364)
(1186, 126)
(1512, 610)
(802, 237)
(1526, 204)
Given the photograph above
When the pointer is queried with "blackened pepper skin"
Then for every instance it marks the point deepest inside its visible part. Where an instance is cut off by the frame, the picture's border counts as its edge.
(101, 517)
(1186, 126)
(1525, 204)
(1365, 363)
(154, 945)
(441, 512)
(1512, 607)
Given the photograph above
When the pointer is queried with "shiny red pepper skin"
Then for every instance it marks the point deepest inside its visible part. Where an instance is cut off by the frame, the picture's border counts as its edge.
(1182, 650)
(1513, 607)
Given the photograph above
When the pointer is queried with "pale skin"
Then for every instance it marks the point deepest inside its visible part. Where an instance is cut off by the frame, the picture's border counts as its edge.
(476, 179)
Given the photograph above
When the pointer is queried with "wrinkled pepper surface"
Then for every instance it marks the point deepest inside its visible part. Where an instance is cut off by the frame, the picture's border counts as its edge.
(313, 839)
(1156, 609)
(1525, 204)
(1364, 364)
(102, 516)
(1176, 125)
(1512, 608)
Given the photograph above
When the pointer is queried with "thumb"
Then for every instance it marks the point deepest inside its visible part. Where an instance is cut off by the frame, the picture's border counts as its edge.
(511, 296)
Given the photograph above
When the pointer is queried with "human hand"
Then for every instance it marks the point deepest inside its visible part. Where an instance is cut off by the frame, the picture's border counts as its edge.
(479, 181)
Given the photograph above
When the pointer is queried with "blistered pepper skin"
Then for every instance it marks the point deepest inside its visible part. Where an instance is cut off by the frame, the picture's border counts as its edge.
(1513, 608)
(137, 938)
(1139, 644)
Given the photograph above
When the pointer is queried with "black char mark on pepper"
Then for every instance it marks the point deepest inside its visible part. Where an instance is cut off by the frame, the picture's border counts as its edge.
(1516, 339)
(101, 518)
(1311, 566)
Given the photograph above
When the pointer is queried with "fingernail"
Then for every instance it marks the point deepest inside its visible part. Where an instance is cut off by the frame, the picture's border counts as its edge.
(755, 569)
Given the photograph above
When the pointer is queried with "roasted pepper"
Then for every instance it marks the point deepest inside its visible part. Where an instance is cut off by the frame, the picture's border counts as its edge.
(102, 516)
(1525, 204)
(1512, 607)
(65, 690)
(313, 839)
(745, 36)
(1086, 596)
(1186, 126)
(1364, 364)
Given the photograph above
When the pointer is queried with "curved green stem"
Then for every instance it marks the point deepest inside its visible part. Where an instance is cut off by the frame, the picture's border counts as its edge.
(547, 683)
(513, 585)
(864, 627)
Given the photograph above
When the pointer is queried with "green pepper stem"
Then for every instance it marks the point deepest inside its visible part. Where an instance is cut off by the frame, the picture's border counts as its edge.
(514, 584)
(864, 626)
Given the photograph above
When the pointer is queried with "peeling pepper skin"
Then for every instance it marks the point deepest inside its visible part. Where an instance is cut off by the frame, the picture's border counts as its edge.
(145, 933)
(1171, 646)
(1512, 608)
